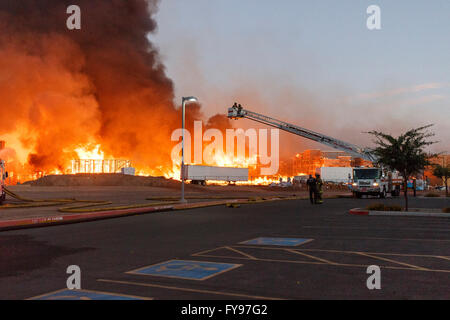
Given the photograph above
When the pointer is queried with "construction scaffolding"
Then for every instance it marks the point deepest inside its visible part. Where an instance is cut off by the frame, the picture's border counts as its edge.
(99, 166)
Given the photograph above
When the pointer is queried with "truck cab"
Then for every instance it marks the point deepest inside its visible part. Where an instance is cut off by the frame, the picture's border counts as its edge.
(375, 182)
(3, 176)
(366, 181)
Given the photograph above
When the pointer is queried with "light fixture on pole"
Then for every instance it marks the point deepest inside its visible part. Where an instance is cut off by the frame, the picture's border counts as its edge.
(184, 100)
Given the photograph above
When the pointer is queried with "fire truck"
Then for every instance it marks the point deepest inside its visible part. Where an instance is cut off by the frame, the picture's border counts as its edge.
(376, 182)
(3, 176)
(366, 181)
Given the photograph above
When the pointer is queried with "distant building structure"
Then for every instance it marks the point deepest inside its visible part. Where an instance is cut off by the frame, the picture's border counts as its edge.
(308, 161)
(100, 166)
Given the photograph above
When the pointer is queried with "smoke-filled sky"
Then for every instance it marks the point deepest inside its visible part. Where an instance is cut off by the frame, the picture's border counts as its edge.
(314, 63)
(118, 81)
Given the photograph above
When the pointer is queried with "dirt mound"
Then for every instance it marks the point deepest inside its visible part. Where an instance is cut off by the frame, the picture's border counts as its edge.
(103, 179)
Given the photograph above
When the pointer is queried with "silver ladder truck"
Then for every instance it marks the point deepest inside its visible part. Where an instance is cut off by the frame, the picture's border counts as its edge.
(365, 181)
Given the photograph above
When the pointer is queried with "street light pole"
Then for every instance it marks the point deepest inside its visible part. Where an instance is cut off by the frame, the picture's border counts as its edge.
(184, 100)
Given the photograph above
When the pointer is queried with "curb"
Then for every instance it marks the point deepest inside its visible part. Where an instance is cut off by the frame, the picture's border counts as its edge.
(358, 211)
(409, 214)
(74, 218)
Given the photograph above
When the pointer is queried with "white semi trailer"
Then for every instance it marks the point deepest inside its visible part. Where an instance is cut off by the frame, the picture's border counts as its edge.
(335, 174)
(201, 174)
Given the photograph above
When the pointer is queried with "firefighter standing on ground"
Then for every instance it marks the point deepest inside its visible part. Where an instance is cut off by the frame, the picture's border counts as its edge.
(311, 183)
(319, 190)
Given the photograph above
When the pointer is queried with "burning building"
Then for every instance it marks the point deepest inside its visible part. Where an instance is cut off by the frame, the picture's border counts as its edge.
(99, 166)
(92, 160)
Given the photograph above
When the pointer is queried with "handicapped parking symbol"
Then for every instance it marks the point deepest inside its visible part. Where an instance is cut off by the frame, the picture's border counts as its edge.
(273, 241)
(291, 242)
(69, 298)
(184, 267)
(67, 294)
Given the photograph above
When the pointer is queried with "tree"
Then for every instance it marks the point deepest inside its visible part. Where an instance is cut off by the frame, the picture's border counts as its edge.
(442, 173)
(405, 153)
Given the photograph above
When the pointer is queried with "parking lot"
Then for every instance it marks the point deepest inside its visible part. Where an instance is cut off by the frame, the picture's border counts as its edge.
(274, 250)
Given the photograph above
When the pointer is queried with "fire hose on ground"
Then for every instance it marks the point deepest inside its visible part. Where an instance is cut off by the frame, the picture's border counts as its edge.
(88, 206)
(84, 206)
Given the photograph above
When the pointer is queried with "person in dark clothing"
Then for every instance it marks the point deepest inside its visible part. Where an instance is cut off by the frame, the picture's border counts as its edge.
(311, 183)
(319, 190)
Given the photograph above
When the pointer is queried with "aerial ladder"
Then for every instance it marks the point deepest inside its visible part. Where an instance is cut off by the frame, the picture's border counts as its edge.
(370, 181)
(237, 111)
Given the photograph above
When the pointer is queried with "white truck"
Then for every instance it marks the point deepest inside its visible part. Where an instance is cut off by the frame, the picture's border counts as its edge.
(335, 174)
(201, 174)
(3, 176)
(375, 182)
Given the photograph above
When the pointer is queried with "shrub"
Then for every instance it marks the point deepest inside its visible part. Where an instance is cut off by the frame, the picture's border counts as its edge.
(393, 208)
(383, 207)
(376, 207)
(432, 195)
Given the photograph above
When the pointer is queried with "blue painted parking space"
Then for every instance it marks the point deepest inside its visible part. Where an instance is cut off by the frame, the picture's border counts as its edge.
(66, 294)
(186, 269)
(290, 242)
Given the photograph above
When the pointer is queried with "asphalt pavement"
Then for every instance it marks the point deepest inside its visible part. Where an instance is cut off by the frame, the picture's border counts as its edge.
(273, 250)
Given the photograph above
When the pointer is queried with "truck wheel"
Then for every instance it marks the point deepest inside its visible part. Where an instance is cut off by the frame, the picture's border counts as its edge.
(203, 183)
(358, 195)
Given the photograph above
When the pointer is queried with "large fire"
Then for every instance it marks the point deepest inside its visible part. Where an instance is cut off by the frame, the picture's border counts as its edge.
(91, 152)
(93, 160)
(99, 94)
